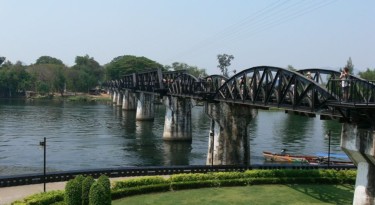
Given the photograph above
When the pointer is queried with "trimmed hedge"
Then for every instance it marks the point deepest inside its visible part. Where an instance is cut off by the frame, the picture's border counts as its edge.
(140, 181)
(86, 185)
(98, 194)
(104, 181)
(143, 185)
(42, 198)
(73, 191)
(130, 191)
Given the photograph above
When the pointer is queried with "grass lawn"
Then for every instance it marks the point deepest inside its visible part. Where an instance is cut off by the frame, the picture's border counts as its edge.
(257, 194)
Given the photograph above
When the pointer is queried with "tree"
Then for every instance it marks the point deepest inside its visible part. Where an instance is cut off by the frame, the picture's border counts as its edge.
(2, 59)
(192, 70)
(85, 74)
(350, 65)
(291, 68)
(48, 78)
(48, 60)
(14, 80)
(127, 64)
(59, 80)
(224, 63)
(368, 74)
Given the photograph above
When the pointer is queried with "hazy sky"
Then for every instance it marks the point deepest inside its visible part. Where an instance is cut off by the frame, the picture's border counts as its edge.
(301, 33)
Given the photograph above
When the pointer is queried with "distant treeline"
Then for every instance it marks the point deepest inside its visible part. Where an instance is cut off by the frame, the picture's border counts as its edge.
(50, 75)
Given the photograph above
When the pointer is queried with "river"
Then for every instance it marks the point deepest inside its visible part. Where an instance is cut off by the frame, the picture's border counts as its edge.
(100, 135)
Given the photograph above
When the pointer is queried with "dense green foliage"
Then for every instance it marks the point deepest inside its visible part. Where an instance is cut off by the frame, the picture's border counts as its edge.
(369, 74)
(42, 198)
(141, 185)
(50, 75)
(140, 181)
(84, 75)
(224, 62)
(98, 195)
(86, 185)
(73, 191)
(14, 79)
(127, 64)
(192, 70)
(104, 181)
(224, 179)
(48, 60)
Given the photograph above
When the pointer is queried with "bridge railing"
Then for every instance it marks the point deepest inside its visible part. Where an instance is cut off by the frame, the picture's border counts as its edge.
(353, 91)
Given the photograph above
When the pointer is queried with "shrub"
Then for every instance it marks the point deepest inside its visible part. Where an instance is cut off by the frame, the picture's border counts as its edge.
(119, 193)
(98, 195)
(104, 181)
(73, 191)
(141, 181)
(86, 185)
(45, 198)
(228, 175)
(194, 184)
(191, 177)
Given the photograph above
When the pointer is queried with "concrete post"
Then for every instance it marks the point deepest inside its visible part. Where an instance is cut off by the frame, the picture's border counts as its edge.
(177, 124)
(119, 98)
(128, 102)
(357, 141)
(114, 96)
(145, 107)
(228, 139)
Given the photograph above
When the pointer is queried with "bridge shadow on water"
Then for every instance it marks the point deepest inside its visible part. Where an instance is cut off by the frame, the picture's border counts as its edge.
(333, 194)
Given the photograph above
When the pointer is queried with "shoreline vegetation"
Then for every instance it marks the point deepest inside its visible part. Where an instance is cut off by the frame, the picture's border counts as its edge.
(72, 97)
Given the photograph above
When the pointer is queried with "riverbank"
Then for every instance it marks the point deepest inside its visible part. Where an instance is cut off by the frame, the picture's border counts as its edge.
(69, 96)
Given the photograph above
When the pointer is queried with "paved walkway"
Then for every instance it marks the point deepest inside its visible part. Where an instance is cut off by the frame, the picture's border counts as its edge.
(11, 194)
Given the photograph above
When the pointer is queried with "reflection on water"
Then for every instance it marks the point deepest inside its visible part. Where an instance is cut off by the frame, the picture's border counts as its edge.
(93, 135)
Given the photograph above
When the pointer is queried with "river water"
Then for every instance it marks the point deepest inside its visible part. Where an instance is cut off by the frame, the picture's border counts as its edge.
(100, 135)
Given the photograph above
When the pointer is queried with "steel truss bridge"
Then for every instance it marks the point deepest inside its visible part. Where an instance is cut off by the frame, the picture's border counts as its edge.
(263, 87)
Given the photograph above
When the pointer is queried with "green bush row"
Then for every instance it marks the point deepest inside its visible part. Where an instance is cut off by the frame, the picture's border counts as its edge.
(223, 179)
(142, 185)
(340, 175)
(140, 181)
(45, 198)
(120, 193)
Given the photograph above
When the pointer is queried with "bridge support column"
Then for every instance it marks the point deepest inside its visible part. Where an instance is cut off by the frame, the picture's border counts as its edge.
(128, 102)
(119, 98)
(358, 141)
(177, 124)
(228, 139)
(114, 96)
(145, 107)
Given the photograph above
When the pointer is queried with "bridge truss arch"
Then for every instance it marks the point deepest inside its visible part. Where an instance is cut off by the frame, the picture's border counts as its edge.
(361, 92)
(266, 86)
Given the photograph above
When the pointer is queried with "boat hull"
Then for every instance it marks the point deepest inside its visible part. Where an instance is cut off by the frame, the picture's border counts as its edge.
(274, 157)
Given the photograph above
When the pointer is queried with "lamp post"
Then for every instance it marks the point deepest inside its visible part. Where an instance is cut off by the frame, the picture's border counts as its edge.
(44, 144)
(329, 147)
(212, 148)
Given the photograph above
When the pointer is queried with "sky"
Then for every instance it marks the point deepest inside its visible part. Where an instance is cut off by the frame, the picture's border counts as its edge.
(300, 33)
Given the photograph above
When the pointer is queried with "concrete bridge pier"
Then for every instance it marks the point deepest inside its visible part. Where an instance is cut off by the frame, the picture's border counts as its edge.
(119, 98)
(177, 124)
(228, 139)
(114, 96)
(145, 107)
(128, 101)
(358, 141)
